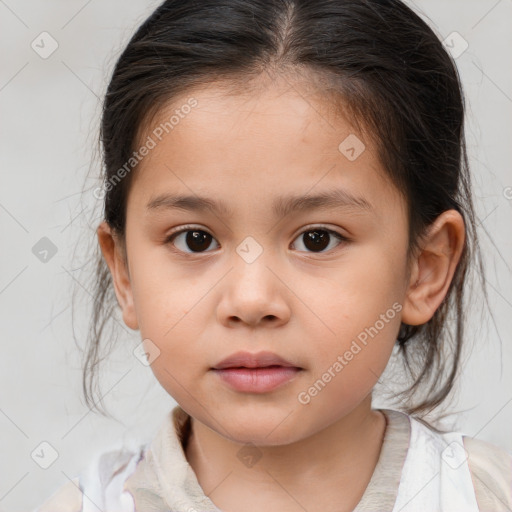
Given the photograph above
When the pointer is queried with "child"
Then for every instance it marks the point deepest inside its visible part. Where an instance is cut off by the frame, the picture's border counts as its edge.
(314, 151)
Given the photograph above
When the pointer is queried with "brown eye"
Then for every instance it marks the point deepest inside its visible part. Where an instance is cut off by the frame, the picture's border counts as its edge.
(318, 239)
(191, 240)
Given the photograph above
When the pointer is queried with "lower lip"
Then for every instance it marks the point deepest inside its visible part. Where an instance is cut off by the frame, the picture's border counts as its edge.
(257, 380)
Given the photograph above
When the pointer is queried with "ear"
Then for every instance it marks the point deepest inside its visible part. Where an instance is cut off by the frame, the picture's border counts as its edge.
(114, 253)
(433, 267)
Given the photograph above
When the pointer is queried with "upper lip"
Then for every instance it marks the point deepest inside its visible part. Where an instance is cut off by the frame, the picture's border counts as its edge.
(250, 360)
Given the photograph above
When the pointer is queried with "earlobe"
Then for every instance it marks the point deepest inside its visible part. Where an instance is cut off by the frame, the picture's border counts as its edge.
(114, 254)
(433, 268)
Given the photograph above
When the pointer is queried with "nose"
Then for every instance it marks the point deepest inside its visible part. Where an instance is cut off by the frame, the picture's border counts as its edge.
(254, 294)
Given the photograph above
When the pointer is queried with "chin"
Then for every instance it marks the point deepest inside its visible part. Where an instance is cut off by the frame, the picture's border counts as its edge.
(264, 437)
(263, 429)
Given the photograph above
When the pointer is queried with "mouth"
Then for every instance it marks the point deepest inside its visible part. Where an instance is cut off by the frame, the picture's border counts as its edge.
(258, 360)
(255, 367)
(260, 372)
(257, 380)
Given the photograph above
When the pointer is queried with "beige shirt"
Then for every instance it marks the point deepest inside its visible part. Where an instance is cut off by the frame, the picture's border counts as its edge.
(159, 478)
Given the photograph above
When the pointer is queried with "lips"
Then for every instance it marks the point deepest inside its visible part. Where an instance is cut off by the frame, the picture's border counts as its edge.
(257, 380)
(253, 360)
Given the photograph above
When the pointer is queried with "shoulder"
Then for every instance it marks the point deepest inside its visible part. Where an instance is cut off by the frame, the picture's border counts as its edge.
(491, 472)
(67, 498)
(488, 467)
(101, 484)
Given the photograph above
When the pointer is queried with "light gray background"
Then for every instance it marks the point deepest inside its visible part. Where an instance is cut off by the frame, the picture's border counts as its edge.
(49, 117)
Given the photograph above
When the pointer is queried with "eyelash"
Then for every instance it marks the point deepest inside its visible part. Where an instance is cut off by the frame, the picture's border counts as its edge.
(342, 239)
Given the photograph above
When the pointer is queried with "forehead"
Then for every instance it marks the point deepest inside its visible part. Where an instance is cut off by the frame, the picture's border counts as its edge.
(261, 142)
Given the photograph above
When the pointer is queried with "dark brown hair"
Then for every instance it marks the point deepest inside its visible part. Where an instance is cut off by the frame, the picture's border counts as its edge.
(381, 59)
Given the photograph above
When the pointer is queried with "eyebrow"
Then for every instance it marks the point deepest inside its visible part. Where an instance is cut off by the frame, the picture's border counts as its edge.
(282, 206)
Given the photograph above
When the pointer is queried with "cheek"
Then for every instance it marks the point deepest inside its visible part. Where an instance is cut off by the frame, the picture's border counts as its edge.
(357, 291)
(172, 308)
(182, 360)
(358, 313)
(163, 294)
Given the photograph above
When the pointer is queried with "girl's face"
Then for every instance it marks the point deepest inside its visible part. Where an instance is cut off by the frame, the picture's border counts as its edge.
(266, 272)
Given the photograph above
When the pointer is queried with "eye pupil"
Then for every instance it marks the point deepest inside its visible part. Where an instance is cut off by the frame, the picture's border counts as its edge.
(199, 240)
(319, 239)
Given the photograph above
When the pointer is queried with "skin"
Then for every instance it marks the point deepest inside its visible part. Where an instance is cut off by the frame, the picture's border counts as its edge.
(308, 307)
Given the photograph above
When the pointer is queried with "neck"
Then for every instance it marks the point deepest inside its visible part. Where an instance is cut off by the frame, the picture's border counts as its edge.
(335, 462)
